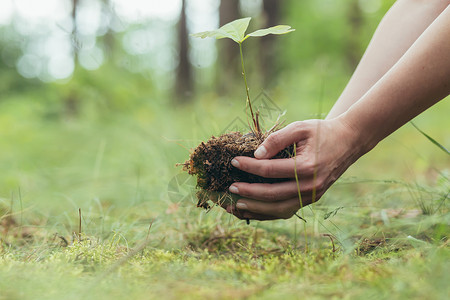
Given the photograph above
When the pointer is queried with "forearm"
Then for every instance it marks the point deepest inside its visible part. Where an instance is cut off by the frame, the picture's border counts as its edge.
(417, 81)
(400, 27)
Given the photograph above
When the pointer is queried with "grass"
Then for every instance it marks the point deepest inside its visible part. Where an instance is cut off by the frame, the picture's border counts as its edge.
(380, 232)
(93, 269)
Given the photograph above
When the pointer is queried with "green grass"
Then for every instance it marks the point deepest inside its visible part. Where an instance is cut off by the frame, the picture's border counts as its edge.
(387, 217)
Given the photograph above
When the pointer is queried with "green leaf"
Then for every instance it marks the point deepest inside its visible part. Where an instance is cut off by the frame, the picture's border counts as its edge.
(234, 30)
(279, 29)
(430, 139)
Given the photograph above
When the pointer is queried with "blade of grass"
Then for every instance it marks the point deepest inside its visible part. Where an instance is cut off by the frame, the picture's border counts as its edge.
(302, 217)
(430, 139)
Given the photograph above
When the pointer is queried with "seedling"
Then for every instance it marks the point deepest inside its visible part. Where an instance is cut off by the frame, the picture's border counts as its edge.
(235, 30)
(211, 161)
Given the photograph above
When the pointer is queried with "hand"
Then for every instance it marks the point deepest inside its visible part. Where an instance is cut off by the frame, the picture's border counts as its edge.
(324, 150)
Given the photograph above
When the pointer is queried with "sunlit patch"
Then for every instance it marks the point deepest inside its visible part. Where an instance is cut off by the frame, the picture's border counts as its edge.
(61, 66)
(6, 13)
(29, 66)
(132, 11)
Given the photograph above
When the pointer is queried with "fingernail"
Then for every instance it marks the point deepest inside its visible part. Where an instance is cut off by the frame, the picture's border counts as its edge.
(261, 152)
(235, 163)
(241, 205)
(233, 189)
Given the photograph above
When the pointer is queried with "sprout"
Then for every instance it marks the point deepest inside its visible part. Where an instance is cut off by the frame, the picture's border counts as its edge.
(235, 30)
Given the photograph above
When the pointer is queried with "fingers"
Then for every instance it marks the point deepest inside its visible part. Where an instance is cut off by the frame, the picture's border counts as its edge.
(274, 168)
(270, 191)
(281, 139)
(253, 209)
(245, 215)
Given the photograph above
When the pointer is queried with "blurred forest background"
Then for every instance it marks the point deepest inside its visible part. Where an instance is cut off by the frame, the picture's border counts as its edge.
(97, 92)
(101, 99)
(75, 46)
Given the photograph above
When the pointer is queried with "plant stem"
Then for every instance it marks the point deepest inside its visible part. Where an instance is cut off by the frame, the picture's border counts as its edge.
(300, 197)
(246, 90)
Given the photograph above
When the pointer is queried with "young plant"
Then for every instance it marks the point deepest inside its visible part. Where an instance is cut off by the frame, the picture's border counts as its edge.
(235, 30)
(211, 161)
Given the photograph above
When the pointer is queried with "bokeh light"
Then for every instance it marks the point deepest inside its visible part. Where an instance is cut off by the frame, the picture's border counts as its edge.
(29, 66)
(61, 66)
(6, 12)
(91, 59)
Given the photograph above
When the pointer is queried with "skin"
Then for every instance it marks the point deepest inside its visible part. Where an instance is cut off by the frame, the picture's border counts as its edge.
(405, 70)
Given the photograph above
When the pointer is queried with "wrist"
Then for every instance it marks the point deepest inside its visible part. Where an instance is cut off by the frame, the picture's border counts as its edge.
(358, 139)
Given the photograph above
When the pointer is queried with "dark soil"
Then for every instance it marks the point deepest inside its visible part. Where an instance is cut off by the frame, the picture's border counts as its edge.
(211, 162)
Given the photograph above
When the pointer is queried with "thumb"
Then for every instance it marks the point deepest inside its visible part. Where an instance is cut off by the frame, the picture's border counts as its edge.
(281, 139)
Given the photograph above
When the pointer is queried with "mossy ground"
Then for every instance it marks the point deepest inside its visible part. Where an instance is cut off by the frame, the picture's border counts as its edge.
(220, 263)
(388, 216)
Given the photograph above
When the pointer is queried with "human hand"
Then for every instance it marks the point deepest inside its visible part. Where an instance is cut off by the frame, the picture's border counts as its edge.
(324, 150)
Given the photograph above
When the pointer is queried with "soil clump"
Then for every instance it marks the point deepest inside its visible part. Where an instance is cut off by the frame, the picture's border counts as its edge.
(211, 163)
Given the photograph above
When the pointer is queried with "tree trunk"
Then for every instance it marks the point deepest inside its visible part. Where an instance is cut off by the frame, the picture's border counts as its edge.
(271, 11)
(228, 62)
(355, 19)
(75, 41)
(71, 108)
(183, 85)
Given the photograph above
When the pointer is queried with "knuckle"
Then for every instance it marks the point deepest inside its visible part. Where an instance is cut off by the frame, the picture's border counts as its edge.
(308, 167)
(319, 185)
(266, 170)
(242, 164)
(273, 139)
(243, 189)
(270, 194)
(298, 126)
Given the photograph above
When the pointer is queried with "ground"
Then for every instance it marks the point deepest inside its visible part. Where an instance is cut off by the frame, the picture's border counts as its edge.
(380, 232)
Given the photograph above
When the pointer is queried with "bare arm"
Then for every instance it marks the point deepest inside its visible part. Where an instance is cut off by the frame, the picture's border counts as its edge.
(400, 27)
(417, 81)
(420, 78)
